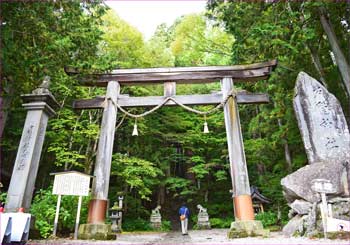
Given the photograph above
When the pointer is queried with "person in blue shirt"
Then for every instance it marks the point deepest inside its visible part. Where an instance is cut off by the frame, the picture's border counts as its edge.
(184, 213)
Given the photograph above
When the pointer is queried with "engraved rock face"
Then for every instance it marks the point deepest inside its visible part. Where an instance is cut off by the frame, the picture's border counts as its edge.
(321, 122)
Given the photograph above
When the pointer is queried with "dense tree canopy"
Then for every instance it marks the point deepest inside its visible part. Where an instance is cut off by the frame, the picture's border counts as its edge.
(171, 160)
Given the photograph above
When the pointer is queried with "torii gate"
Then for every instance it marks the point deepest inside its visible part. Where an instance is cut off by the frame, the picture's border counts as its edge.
(228, 75)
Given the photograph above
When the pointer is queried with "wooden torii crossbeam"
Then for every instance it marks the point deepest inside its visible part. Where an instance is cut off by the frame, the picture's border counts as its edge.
(228, 75)
(238, 73)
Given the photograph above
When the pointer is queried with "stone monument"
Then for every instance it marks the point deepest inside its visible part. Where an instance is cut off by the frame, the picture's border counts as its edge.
(203, 218)
(40, 105)
(156, 218)
(327, 142)
(321, 122)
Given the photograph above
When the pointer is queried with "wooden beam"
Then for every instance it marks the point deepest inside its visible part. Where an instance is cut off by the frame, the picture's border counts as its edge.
(169, 88)
(251, 72)
(149, 101)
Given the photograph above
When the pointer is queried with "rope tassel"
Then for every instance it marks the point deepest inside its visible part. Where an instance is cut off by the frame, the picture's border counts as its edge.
(135, 132)
(206, 129)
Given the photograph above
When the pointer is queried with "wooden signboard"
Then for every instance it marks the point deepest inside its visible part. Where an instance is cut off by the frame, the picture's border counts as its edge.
(322, 186)
(70, 183)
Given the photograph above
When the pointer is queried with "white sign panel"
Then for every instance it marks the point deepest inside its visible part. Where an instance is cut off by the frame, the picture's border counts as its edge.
(73, 184)
(337, 225)
(322, 186)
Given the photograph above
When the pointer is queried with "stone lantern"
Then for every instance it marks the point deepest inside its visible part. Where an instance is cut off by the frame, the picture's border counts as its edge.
(116, 214)
(203, 218)
(156, 218)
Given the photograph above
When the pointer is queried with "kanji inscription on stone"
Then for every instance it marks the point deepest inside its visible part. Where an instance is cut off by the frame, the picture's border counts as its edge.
(321, 121)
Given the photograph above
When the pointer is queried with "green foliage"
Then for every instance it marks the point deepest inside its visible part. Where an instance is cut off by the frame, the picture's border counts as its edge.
(171, 160)
(267, 218)
(55, 34)
(220, 209)
(179, 186)
(166, 225)
(137, 224)
(44, 209)
(197, 42)
(3, 196)
(138, 173)
(220, 222)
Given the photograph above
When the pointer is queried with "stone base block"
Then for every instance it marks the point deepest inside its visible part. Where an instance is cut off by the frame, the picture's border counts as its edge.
(248, 228)
(96, 232)
(203, 226)
(156, 225)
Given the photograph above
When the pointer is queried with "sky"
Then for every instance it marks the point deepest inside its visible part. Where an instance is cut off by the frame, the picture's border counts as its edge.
(147, 15)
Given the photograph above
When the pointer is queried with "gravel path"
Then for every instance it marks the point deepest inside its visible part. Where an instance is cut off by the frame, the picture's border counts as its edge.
(214, 236)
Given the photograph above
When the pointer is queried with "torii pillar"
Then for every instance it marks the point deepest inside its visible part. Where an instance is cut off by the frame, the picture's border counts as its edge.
(244, 224)
(98, 206)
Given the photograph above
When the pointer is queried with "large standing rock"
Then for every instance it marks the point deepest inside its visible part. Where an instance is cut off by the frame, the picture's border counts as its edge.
(298, 184)
(321, 122)
(327, 143)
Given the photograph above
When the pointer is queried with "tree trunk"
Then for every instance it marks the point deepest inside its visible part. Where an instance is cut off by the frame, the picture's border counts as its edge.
(347, 18)
(317, 63)
(342, 64)
(287, 154)
(161, 194)
(5, 103)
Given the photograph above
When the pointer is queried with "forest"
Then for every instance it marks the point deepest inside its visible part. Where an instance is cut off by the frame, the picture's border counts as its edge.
(171, 160)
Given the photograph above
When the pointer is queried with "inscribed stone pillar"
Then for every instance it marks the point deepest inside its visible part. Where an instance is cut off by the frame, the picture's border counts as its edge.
(238, 167)
(40, 106)
(321, 122)
(98, 204)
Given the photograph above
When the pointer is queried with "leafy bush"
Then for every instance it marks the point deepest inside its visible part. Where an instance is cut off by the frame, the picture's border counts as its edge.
(220, 223)
(219, 209)
(166, 225)
(137, 224)
(3, 197)
(44, 209)
(267, 218)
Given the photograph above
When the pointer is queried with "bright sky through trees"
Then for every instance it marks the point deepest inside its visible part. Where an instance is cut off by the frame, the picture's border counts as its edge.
(147, 15)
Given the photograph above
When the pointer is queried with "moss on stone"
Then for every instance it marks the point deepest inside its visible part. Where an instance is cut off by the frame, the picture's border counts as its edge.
(96, 232)
(250, 228)
(339, 235)
(237, 234)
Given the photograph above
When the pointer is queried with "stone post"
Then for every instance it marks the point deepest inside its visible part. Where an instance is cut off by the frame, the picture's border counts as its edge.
(40, 106)
(96, 229)
(243, 206)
